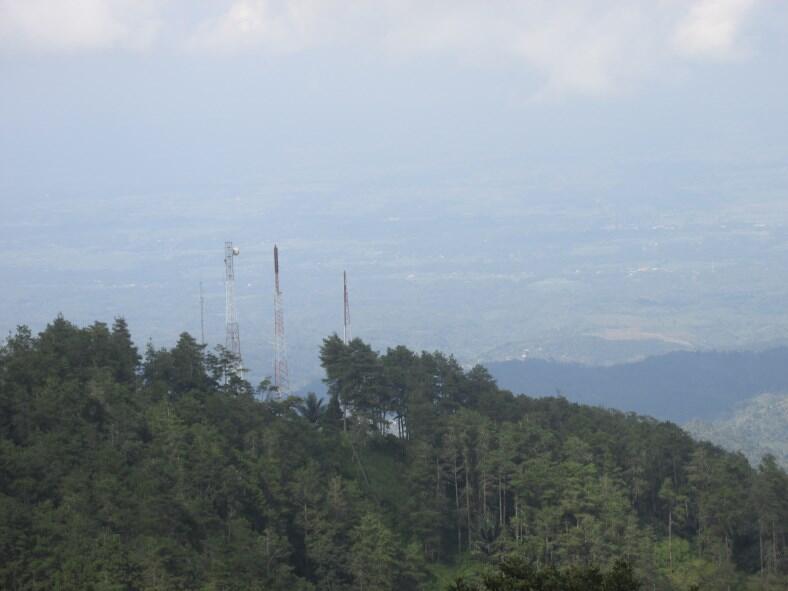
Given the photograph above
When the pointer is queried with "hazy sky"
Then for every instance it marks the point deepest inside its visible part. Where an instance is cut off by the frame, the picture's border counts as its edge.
(119, 88)
(381, 109)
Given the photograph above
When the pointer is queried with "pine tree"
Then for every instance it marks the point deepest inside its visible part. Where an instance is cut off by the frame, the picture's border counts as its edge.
(372, 556)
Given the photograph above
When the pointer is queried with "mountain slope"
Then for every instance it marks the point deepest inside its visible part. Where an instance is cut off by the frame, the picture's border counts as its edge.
(678, 386)
(172, 472)
(757, 427)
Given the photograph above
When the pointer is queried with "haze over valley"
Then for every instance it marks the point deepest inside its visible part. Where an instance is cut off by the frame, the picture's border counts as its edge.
(490, 277)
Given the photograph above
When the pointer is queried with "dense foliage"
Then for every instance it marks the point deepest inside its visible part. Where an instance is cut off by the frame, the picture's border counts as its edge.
(756, 427)
(172, 472)
(515, 574)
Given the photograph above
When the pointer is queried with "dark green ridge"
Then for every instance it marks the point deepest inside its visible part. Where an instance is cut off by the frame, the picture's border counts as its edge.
(168, 471)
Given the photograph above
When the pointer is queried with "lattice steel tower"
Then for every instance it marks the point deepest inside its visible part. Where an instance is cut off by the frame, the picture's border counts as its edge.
(346, 336)
(233, 337)
(202, 317)
(281, 371)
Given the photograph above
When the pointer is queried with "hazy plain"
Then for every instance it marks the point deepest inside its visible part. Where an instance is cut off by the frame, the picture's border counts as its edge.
(487, 269)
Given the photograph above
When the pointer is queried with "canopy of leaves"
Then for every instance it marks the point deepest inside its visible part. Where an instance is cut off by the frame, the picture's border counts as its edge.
(170, 471)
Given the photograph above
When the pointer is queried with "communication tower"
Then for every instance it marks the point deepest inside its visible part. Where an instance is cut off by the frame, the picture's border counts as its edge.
(346, 336)
(281, 371)
(202, 317)
(233, 337)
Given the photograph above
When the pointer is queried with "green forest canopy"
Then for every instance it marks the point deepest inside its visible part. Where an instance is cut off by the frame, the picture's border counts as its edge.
(169, 471)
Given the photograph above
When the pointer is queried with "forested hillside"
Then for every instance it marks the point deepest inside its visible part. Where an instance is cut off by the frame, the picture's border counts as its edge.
(757, 427)
(168, 471)
(679, 386)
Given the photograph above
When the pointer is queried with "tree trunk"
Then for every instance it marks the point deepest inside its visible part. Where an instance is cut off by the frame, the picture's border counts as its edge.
(760, 543)
(267, 553)
(467, 499)
(774, 547)
(670, 538)
(500, 502)
(484, 495)
(457, 506)
(503, 496)
(437, 477)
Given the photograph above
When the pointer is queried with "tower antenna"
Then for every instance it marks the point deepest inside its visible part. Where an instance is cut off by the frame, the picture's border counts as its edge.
(233, 337)
(281, 371)
(202, 317)
(346, 335)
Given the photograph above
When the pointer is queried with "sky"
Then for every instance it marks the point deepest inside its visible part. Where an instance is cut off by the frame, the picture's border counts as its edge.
(137, 136)
(243, 85)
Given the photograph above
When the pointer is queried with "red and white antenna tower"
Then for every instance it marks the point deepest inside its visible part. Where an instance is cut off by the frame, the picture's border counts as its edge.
(346, 335)
(281, 372)
(232, 335)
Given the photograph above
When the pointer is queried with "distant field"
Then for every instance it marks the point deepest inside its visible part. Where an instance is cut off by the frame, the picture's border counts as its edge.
(484, 270)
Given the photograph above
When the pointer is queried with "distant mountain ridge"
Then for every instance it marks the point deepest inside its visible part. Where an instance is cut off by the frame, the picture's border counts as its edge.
(757, 427)
(679, 386)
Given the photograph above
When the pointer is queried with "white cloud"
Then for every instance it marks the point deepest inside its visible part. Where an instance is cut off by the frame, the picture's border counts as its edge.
(77, 24)
(590, 47)
(575, 46)
(711, 27)
(283, 26)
